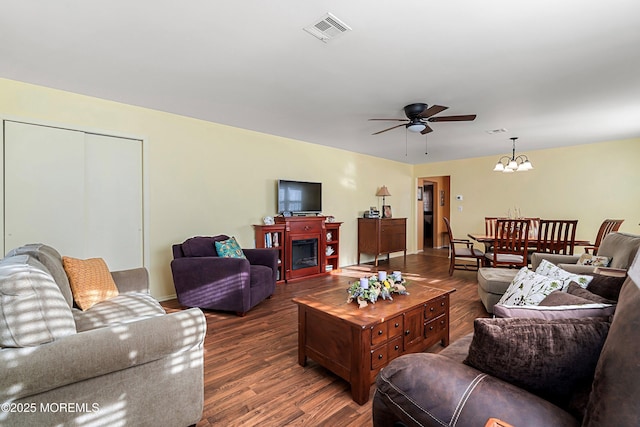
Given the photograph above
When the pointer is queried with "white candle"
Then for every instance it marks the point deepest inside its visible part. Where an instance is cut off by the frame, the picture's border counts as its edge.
(397, 276)
(382, 275)
(364, 283)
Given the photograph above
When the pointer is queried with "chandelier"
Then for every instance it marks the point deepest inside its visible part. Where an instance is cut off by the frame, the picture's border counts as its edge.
(514, 163)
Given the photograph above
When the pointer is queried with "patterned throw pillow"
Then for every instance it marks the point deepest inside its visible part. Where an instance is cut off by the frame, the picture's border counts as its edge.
(549, 269)
(594, 260)
(229, 249)
(90, 281)
(529, 288)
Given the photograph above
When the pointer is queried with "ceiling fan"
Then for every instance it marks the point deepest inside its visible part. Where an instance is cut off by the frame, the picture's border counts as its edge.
(418, 115)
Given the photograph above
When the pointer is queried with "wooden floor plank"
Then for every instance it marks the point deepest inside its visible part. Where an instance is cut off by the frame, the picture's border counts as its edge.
(251, 371)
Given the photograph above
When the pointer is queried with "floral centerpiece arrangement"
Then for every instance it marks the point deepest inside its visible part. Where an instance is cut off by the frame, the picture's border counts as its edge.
(370, 289)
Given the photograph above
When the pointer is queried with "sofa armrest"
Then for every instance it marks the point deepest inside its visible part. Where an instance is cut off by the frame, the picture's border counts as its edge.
(213, 282)
(134, 280)
(537, 257)
(31, 370)
(426, 389)
(264, 256)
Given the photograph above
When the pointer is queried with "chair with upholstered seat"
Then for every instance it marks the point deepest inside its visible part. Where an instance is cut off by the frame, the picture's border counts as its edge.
(607, 226)
(465, 250)
(205, 279)
(510, 243)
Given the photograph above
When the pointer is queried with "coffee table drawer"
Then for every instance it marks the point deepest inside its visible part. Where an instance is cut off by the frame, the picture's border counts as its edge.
(395, 327)
(386, 330)
(379, 333)
(379, 357)
(436, 326)
(394, 348)
(436, 307)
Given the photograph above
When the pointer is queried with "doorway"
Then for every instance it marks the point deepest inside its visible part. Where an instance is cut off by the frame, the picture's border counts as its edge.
(427, 214)
(432, 206)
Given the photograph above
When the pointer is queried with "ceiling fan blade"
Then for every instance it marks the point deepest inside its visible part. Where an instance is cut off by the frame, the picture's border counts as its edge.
(392, 127)
(434, 109)
(464, 118)
(426, 130)
(394, 120)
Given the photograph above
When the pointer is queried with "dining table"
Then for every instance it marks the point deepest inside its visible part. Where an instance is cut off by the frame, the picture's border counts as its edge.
(533, 241)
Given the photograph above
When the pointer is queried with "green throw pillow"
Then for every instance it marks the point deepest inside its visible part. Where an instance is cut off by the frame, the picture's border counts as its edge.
(229, 249)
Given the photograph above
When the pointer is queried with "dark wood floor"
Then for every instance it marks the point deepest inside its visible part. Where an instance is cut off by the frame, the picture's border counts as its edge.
(251, 371)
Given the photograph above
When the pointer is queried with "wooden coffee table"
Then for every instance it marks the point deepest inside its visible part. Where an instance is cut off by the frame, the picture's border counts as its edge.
(355, 343)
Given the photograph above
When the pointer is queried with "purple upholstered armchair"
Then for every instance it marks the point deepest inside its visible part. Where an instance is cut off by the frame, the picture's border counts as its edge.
(205, 280)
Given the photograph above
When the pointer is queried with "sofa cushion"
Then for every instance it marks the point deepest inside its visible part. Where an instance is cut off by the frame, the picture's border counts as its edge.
(90, 279)
(201, 246)
(549, 269)
(52, 260)
(120, 309)
(552, 312)
(551, 358)
(593, 260)
(33, 310)
(529, 288)
(606, 286)
(495, 280)
(556, 298)
(229, 249)
(620, 247)
(615, 393)
(577, 290)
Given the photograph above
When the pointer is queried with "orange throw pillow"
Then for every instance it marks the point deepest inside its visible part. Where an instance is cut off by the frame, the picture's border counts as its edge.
(90, 281)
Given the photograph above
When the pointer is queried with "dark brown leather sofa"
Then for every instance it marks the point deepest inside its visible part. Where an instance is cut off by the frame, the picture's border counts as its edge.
(437, 390)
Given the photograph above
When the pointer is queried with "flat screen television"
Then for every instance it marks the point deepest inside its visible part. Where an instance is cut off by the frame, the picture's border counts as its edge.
(299, 197)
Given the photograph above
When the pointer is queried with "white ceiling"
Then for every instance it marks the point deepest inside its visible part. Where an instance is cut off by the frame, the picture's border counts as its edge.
(551, 72)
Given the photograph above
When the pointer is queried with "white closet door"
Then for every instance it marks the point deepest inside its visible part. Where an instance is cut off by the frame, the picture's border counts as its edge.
(113, 199)
(78, 192)
(44, 187)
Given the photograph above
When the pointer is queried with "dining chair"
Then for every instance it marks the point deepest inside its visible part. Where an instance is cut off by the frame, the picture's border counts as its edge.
(557, 236)
(467, 252)
(607, 226)
(510, 243)
(490, 225)
(534, 226)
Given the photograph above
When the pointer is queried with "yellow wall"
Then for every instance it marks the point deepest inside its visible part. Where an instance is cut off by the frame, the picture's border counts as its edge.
(587, 182)
(206, 178)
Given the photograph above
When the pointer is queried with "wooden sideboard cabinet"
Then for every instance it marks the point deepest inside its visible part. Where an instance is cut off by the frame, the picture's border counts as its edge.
(379, 236)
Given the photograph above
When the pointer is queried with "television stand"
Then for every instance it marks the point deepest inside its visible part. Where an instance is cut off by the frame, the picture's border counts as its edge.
(308, 245)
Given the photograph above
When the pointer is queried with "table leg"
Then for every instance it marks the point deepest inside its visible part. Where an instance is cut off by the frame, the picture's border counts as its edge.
(302, 338)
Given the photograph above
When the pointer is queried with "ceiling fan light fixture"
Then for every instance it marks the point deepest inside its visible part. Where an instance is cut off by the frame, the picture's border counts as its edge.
(416, 127)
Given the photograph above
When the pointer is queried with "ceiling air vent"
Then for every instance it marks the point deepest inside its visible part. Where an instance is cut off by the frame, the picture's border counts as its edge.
(327, 28)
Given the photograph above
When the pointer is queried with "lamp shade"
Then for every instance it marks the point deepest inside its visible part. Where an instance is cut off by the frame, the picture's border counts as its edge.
(416, 127)
(383, 191)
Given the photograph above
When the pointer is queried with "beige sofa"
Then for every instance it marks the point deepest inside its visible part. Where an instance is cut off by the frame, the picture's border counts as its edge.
(123, 361)
(620, 247)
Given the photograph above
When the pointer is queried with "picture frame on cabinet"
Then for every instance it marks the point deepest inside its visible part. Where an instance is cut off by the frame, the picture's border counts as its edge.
(386, 211)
